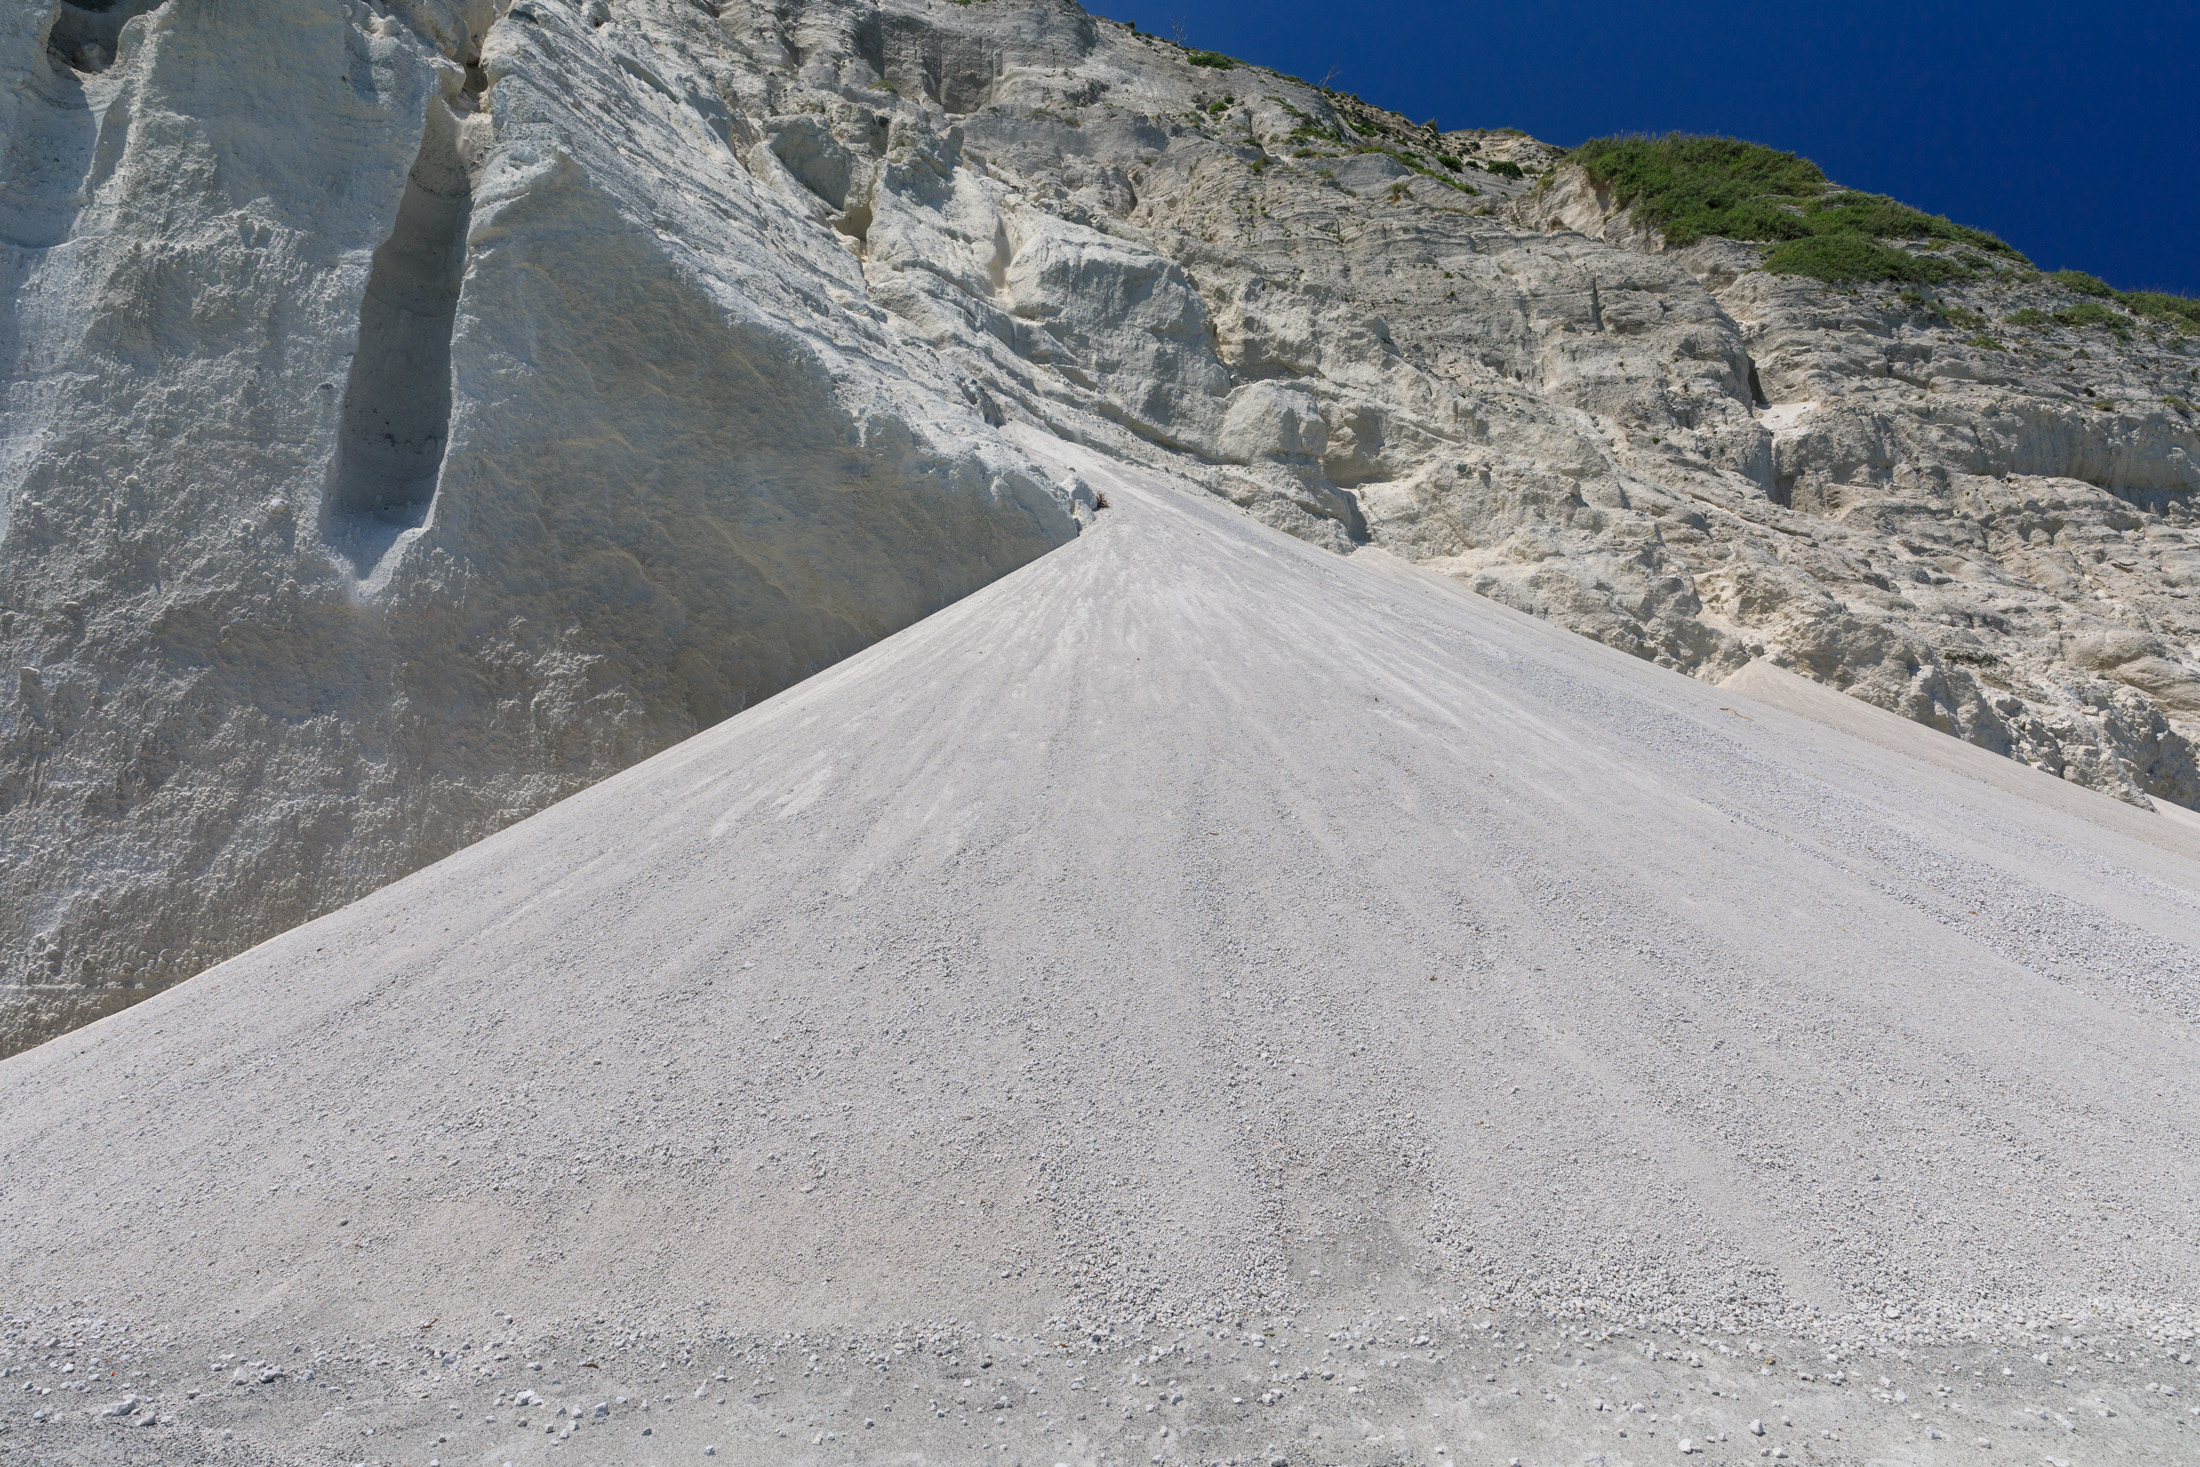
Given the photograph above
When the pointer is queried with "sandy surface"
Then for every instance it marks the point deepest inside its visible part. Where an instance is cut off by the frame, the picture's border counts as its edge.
(1193, 964)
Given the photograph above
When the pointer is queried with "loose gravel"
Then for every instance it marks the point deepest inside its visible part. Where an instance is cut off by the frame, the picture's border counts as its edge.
(1198, 999)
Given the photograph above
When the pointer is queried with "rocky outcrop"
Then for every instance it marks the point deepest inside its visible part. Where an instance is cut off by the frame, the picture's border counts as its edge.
(1983, 524)
(566, 375)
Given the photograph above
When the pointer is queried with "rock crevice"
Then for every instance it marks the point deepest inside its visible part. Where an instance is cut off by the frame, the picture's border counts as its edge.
(396, 412)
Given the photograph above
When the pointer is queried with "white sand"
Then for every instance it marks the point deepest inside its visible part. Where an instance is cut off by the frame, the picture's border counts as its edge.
(1190, 926)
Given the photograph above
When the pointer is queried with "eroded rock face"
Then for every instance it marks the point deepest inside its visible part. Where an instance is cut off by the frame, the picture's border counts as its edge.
(377, 478)
(559, 378)
(1984, 526)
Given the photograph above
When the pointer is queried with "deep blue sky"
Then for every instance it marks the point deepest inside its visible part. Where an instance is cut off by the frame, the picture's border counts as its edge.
(2073, 131)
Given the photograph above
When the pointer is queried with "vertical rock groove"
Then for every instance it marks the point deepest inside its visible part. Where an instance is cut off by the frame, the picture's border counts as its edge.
(397, 401)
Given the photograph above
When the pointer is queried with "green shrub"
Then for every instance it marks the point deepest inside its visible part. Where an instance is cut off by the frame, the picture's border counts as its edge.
(1884, 218)
(1448, 161)
(1987, 342)
(2029, 316)
(2084, 284)
(2088, 313)
(2180, 311)
(2156, 305)
(1693, 186)
(1844, 259)
(1214, 59)
(1503, 168)
(1690, 187)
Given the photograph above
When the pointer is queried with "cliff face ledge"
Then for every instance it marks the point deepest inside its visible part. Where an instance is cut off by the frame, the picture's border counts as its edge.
(559, 378)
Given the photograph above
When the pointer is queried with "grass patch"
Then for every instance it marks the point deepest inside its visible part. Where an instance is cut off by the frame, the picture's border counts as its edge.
(2181, 311)
(1986, 343)
(1854, 259)
(1214, 59)
(2091, 313)
(1883, 218)
(2084, 284)
(2031, 316)
(1410, 161)
(1691, 187)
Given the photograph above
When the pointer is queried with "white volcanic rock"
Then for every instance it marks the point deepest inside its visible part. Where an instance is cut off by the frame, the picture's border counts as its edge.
(1195, 972)
(557, 379)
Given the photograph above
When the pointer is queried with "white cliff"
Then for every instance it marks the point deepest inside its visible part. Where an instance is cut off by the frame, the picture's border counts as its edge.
(384, 462)
(484, 397)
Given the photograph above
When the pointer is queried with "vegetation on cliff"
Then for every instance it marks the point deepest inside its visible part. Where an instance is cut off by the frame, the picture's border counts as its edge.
(1691, 187)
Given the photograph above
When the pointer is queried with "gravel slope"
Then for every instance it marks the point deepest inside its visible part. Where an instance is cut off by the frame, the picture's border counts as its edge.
(567, 375)
(1191, 926)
